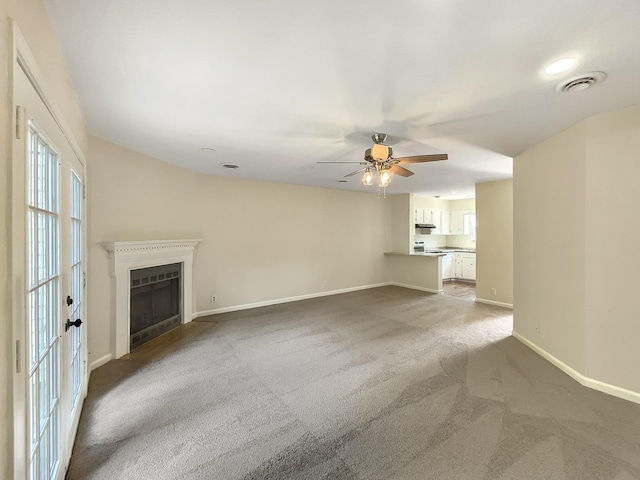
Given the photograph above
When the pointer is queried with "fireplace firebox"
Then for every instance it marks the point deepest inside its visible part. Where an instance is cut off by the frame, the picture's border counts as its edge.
(155, 302)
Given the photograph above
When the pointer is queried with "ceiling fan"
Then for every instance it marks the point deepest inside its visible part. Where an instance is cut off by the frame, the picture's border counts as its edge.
(379, 160)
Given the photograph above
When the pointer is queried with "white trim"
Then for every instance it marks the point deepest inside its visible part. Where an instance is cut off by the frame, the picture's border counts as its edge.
(23, 59)
(277, 301)
(27, 62)
(493, 302)
(577, 376)
(127, 256)
(100, 362)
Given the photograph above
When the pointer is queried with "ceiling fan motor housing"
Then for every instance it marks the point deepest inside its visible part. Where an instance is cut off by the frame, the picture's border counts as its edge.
(378, 152)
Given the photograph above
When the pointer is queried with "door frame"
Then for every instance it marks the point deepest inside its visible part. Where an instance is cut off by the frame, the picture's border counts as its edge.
(23, 58)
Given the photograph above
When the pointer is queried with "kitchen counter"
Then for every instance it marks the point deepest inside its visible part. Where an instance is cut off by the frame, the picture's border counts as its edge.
(417, 254)
(454, 249)
(424, 274)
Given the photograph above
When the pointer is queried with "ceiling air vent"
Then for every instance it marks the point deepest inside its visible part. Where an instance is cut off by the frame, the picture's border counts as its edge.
(581, 82)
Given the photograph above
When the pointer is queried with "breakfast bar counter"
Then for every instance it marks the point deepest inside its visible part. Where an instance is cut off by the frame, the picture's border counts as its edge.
(420, 271)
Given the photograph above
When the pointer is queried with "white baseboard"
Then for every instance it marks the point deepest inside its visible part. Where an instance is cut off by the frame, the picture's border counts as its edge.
(277, 301)
(414, 287)
(100, 361)
(493, 302)
(577, 376)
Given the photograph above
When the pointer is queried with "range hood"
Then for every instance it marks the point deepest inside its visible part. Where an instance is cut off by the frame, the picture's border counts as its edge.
(425, 225)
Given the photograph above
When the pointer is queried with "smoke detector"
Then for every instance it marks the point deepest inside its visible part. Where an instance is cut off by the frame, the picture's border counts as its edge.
(580, 82)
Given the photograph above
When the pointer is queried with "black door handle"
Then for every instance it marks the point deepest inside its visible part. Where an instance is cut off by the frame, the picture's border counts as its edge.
(70, 324)
(69, 301)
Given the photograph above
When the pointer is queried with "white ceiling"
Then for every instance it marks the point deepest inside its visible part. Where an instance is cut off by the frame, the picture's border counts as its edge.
(275, 86)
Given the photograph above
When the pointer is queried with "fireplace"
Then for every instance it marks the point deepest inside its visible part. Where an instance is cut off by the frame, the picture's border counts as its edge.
(127, 258)
(154, 305)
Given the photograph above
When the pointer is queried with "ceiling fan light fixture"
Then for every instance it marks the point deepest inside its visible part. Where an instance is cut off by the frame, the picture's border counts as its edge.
(385, 178)
(367, 178)
(380, 152)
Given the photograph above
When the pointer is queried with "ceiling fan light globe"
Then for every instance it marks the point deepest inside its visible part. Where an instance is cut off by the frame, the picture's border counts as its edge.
(367, 178)
(385, 178)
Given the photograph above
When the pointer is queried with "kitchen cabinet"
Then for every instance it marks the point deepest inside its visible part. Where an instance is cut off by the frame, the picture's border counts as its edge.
(447, 266)
(436, 218)
(439, 218)
(426, 215)
(464, 265)
(456, 222)
(446, 223)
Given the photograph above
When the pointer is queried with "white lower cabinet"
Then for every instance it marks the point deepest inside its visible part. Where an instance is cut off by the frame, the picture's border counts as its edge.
(464, 265)
(447, 266)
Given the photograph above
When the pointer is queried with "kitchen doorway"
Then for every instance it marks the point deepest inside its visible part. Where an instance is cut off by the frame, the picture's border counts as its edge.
(460, 288)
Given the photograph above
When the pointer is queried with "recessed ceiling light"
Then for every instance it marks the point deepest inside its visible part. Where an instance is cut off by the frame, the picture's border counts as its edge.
(560, 66)
(231, 166)
(453, 192)
(207, 149)
(436, 196)
(343, 181)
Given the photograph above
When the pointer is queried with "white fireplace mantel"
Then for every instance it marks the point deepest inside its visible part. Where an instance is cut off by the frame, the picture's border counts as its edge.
(127, 256)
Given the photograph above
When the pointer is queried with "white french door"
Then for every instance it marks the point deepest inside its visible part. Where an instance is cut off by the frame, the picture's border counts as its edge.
(43, 306)
(51, 373)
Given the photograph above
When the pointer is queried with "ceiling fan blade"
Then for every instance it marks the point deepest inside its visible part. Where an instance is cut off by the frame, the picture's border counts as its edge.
(422, 158)
(403, 172)
(356, 172)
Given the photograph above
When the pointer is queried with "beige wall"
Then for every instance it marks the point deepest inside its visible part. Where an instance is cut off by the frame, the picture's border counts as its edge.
(549, 245)
(612, 257)
(462, 204)
(265, 241)
(494, 262)
(31, 18)
(423, 272)
(574, 262)
(575, 231)
(130, 197)
(261, 241)
(401, 222)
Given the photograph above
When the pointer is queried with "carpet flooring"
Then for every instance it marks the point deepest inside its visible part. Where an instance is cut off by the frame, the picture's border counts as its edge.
(387, 383)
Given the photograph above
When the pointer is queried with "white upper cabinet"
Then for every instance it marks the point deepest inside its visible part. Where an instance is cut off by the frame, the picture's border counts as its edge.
(439, 218)
(435, 217)
(456, 222)
(446, 223)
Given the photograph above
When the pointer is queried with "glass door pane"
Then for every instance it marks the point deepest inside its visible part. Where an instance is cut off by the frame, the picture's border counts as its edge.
(76, 289)
(43, 307)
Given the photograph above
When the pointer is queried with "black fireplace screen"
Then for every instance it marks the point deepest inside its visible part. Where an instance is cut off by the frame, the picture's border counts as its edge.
(155, 302)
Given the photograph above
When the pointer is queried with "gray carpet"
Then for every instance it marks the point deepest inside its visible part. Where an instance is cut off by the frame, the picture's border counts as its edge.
(387, 383)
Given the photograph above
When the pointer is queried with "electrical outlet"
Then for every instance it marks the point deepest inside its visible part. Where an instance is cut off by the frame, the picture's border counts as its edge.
(494, 292)
(214, 299)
